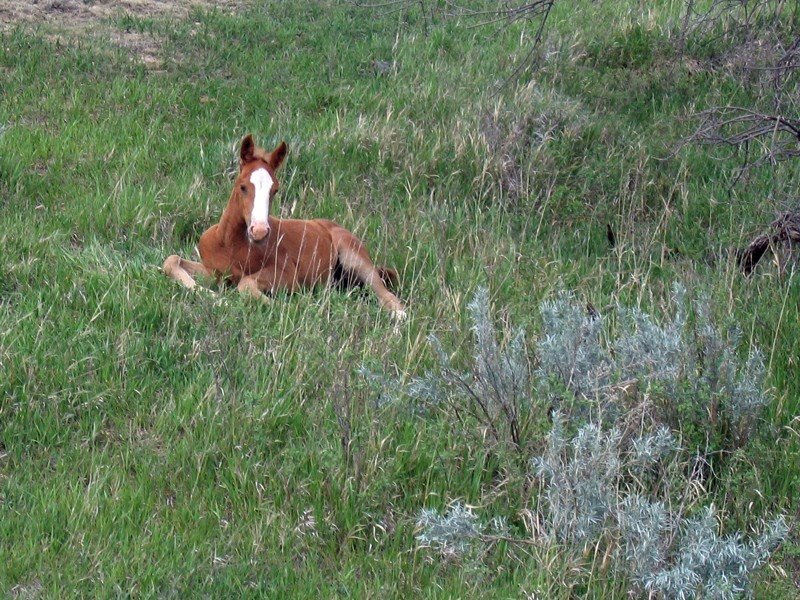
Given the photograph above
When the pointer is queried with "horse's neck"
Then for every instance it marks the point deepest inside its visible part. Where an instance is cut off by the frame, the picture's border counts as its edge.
(229, 228)
(232, 227)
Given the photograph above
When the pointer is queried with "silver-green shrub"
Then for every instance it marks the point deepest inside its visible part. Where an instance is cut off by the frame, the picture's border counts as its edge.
(580, 475)
(494, 393)
(691, 367)
(571, 350)
(686, 557)
(645, 349)
(451, 533)
(593, 494)
(624, 403)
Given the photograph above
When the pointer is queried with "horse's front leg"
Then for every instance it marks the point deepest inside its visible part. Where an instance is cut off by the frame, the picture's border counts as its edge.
(184, 271)
(248, 286)
(268, 281)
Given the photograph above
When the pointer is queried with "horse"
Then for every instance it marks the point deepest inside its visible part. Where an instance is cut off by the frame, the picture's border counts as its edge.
(261, 254)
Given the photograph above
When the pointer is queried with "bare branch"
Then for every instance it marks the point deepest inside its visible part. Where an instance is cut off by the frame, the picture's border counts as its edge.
(506, 14)
(778, 135)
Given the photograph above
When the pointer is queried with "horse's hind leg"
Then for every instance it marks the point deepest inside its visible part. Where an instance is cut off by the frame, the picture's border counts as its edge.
(184, 271)
(353, 258)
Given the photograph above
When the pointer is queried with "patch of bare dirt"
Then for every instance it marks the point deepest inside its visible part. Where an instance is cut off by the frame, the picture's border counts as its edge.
(71, 20)
(27, 591)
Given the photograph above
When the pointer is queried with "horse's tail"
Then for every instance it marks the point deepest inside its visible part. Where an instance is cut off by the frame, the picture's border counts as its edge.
(389, 277)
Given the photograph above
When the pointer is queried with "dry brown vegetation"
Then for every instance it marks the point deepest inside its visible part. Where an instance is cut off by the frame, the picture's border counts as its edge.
(67, 21)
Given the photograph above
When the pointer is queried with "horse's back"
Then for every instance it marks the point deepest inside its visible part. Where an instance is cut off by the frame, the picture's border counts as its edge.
(343, 239)
(327, 224)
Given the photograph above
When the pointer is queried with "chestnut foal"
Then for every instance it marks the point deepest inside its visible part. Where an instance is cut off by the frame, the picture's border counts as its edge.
(262, 254)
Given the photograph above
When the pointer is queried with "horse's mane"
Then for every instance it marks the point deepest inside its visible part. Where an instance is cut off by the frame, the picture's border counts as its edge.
(261, 154)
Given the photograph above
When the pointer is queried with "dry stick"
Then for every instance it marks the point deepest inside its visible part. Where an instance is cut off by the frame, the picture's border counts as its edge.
(751, 126)
(785, 65)
(506, 406)
(518, 70)
(481, 404)
(532, 7)
(742, 169)
(512, 409)
(381, 4)
(539, 8)
(685, 30)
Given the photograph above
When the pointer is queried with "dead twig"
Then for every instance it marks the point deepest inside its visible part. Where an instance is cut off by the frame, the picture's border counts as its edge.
(778, 135)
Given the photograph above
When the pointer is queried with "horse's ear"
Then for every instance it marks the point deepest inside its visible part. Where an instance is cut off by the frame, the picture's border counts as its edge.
(248, 150)
(276, 156)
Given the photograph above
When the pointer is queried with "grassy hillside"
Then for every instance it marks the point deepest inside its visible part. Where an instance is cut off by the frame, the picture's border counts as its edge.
(155, 441)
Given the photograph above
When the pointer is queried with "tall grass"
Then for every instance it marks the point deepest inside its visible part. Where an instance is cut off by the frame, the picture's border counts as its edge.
(163, 443)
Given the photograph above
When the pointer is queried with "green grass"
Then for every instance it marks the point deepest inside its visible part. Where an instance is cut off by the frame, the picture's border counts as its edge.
(159, 442)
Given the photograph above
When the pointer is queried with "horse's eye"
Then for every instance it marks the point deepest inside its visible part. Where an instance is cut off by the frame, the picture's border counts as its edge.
(243, 188)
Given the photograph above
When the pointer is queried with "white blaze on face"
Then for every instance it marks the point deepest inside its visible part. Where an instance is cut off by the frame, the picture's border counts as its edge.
(262, 182)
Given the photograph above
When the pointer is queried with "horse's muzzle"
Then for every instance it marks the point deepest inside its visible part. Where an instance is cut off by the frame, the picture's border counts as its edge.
(257, 232)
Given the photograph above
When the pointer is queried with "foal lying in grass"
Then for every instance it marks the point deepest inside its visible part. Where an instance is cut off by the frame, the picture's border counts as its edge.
(261, 254)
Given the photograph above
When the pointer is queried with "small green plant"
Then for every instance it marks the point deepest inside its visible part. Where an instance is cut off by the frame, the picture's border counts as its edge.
(517, 134)
(633, 48)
